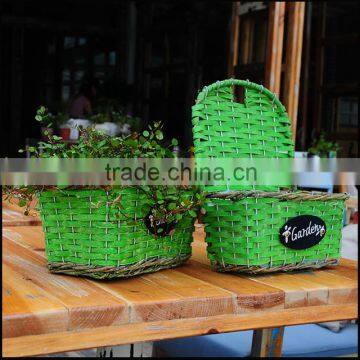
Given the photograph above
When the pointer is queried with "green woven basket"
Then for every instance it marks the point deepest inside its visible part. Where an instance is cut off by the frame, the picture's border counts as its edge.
(86, 236)
(243, 226)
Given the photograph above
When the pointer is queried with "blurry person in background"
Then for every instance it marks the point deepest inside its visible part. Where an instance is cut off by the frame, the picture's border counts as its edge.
(81, 103)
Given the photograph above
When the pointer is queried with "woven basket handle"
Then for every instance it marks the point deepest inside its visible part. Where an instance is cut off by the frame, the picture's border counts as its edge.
(246, 84)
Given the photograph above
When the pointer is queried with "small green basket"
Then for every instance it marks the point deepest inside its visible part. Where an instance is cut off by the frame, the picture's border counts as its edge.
(246, 226)
(85, 236)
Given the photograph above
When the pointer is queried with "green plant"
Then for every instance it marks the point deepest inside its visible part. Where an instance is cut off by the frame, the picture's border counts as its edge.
(121, 119)
(323, 147)
(99, 118)
(48, 119)
(112, 110)
(44, 116)
(60, 118)
(166, 203)
(108, 105)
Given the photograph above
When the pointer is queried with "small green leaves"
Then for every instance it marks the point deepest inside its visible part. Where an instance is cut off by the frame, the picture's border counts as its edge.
(159, 135)
(22, 203)
(172, 206)
(192, 213)
(167, 203)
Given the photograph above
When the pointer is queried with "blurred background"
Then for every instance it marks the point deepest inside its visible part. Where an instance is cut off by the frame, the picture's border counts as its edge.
(134, 62)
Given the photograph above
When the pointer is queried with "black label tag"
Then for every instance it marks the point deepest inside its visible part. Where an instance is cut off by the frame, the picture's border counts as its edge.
(302, 232)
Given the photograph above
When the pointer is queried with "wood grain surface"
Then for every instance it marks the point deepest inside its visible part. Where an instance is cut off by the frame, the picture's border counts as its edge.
(47, 313)
(13, 215)
(161, 330)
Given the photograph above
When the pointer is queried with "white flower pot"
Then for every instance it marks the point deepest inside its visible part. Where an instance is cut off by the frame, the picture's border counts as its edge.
(108, 128)
(75, 124)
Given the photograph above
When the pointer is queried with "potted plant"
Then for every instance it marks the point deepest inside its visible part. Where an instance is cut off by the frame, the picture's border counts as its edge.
(126, 123)
(102, 123)
(323, 148)
(112, 231)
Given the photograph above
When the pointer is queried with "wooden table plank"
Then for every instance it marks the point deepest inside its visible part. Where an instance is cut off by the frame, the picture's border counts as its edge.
(13, 214)
(298, 292)
(250, 296)
(169, 294)
(308, 288)
(161, 330)
(341, 290)
(31, 237)
(87, 305)
(28, 309)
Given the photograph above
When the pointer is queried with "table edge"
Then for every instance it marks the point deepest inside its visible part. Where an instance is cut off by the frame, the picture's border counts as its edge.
(169, 329)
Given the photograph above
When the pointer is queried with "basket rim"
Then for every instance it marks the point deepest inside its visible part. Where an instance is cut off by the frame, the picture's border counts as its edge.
(299, 195)
(245, 83)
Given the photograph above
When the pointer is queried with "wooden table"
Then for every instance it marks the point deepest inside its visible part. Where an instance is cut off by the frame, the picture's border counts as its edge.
(13, 215)
(45, 313)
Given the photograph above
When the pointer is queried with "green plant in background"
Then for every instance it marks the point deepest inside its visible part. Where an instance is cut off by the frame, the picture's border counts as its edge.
(108, 105)
(49, 120)
(60, 118)
(111, 110)
(323, 147)
(99, 118)
(121, 119)
(167, 203)
(44, 116)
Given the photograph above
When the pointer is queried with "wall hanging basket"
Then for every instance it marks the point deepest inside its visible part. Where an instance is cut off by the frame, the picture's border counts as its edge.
(260, 229)
(86, 236)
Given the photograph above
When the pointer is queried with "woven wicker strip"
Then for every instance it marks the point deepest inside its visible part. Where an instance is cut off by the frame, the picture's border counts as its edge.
(243, 223)
(86, 236)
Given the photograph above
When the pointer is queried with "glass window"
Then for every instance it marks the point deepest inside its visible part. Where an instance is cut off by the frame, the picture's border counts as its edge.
(99, 59)
(112, 58)
(348, 112)
(82, 40)
(66, 75)
(65, 93)
(79, 74)
(69, 42)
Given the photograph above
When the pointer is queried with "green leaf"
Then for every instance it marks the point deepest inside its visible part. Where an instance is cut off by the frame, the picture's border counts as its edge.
(146, 133)
(159, 135)
(22, 203)
(172, 206)
(174, 142)
(178, 216)
(192, 213)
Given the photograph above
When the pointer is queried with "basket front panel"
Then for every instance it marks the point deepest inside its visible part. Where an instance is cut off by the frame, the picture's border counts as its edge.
(81, 228)
(246, 232)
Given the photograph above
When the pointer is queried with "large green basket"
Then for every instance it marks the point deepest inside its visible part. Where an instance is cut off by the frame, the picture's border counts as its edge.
(86, 236)
(243, 225)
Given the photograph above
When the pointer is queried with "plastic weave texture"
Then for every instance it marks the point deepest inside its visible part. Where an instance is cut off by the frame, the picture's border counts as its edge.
(242, 230)
(86, 235)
